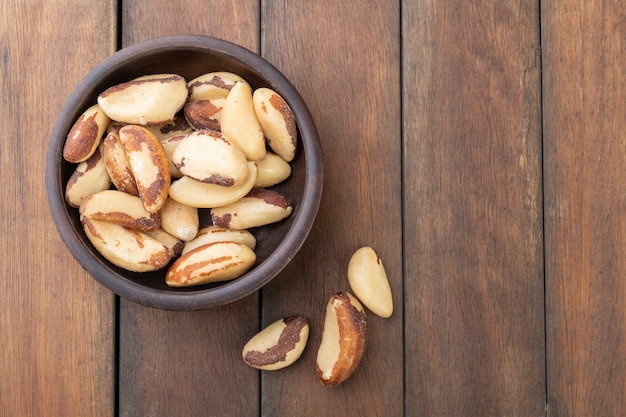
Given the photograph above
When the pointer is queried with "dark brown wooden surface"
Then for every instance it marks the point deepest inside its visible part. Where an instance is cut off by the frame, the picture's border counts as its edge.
(473, 283)
(478, 146)
(57, 324)
(189, 363)
(358, 118)
(585, 190)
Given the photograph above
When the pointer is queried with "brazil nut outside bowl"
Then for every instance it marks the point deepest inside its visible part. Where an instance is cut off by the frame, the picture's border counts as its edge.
(277, 244)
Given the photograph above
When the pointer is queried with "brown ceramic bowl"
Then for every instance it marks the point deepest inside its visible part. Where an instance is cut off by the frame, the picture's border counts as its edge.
(189, 56)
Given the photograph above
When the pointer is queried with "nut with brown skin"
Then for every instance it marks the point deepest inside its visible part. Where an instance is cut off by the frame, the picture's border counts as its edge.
(89, 177)
(149, 163)
(85, 135)
(209, 156)
(277, 122)
(204, 114)
(368, 280)
(258, 208)
(278, 345)
(343, 339)
(117, 164)
(147, 100)
(198, 194)
(121, 208)
(210, 234)
(129, 249)
(213, 262)
(213, 85)
(166, 130)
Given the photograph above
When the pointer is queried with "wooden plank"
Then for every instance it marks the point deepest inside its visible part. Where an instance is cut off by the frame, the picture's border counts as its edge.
(472, 209)
(585, 194)
(344, 58)
(189, 363)
(56, 323)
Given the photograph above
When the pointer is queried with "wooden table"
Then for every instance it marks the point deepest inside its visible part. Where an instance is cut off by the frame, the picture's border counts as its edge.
(479, 146)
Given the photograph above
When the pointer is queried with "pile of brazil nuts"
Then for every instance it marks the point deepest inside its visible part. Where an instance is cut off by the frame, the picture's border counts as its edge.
(155, 150)
(344, 333)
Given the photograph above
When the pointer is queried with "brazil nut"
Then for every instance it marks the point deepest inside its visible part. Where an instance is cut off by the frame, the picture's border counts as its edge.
(120, 208)
(212, 85)
(368, 280)
(169, 145)
(198, 194)
(278, 345)
(117, 165)
(209, 156)
(240, 124)
(146, 100)
(277, 122)
(212, 233)
(213, 262)
(272, 170)
(343, 339)
(85, 135)
(129, 249)
(89, 177)
(179, 220)
(149, 164)
(258, 208)
(204, 114)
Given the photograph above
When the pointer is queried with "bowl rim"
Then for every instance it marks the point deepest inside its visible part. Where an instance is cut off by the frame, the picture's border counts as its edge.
(226, 292)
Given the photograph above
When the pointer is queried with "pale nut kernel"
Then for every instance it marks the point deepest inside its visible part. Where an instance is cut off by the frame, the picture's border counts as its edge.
(202, 195)
(210, 234)
(85, 135)
(343, 339)
(258, 208)
(89, 177)
(173, 245)
(368, 280)
(209, 156)
(179, 220)
(117, 164)
(278, 345)
(204, 114)
(213, 262)
(213, 85)
(277, 122)
(149, 164)
(164, 131)
(272, 170)
(240, 124)
(126, 248)
(121, 208)
(169, 145)
(146, 100)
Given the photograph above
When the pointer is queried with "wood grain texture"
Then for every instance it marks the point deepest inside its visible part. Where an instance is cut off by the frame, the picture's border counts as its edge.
(187, 363)
(436, 151)
(472, 209)
(585, 195)
(236, 21)
(344, 58)
(175, 363)
(56, 323)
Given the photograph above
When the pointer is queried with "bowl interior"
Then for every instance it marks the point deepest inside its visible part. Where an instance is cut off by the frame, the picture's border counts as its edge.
(189, 56)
